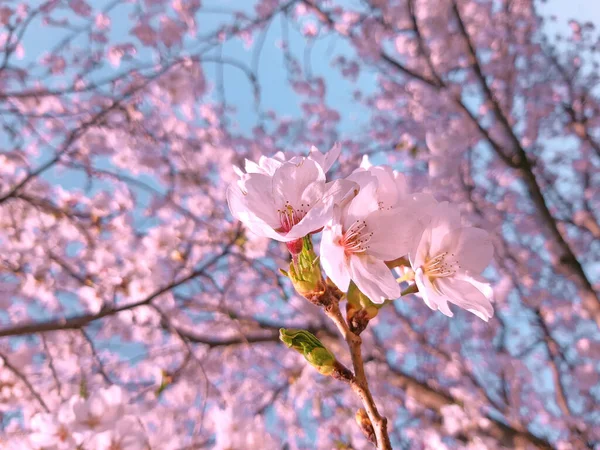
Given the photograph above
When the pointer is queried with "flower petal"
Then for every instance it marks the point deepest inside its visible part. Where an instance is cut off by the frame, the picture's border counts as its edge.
(240, 210)
(328, 159)
(420, 251)
(321, 205)
(333, 257)
(394, 232)
(292, 178)
(373, 278)
(467, 296)
(258, 198)
(387, 191)
(430, 295)
(445, 218)
(470, 247)
(365, 201)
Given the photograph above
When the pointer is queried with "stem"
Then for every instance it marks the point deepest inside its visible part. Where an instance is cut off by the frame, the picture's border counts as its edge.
(359, 383)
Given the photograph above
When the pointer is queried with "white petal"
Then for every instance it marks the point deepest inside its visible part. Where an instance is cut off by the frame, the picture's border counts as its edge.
(401, 184)
(333, 258)
(420, 251)
(342, 191)
(365, 163)
(257, 199)
(320, 211)
(387, 193)
(239, 210)
(365, 201)
(373, 278)
(318, 214)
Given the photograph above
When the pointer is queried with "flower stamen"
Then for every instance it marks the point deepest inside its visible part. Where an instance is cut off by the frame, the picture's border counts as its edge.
(356, 238)
(440, 266)
(290, 216)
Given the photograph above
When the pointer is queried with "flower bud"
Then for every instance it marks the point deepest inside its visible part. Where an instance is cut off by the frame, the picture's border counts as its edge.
(305, 272)
(360, 309)
(310, 347)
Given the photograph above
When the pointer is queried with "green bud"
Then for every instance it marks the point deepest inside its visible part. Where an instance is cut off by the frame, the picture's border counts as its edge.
(305, 271)
(359, 302)
(310, 347)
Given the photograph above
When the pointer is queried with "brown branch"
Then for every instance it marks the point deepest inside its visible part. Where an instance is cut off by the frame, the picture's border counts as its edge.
(359, 383)
(78, 322)
(21, 376)
(436, 398)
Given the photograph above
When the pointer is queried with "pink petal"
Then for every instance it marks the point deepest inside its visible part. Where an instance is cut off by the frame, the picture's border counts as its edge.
(471, 248)
(374, 278)
(291, 179)
(420, 251)
(467, 296)
(430, 295)
(446, 218)
(394, 232)
(365, 201)
(239, 210)
(328, 159)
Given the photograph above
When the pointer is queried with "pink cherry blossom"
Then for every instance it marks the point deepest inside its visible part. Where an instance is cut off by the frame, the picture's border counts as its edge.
(285, 200)
(120, 263)
(448, 261)
(102, 411)
(371, 229)
(126, 434)
(51, 432)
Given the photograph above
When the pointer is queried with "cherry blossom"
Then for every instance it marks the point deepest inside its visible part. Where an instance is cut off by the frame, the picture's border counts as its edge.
(235, 429)
(121, 265)
(285, 200)
(101, 411)
(448, 261)
(50, 431)
(368, 231)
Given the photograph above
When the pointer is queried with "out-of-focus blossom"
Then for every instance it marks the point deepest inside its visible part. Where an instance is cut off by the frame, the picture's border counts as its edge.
(101, 411)
(235, 431)
(127, 434)
(49, 431)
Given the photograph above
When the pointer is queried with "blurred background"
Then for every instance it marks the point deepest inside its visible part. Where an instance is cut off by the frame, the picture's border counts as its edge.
(120, 264)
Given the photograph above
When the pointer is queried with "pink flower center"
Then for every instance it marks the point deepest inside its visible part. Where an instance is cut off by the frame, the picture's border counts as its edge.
(356, 238)
(289, 216)
(441, 266)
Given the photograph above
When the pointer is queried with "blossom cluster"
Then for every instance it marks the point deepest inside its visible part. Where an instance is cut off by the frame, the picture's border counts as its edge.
(369, 221)
(102, 421)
